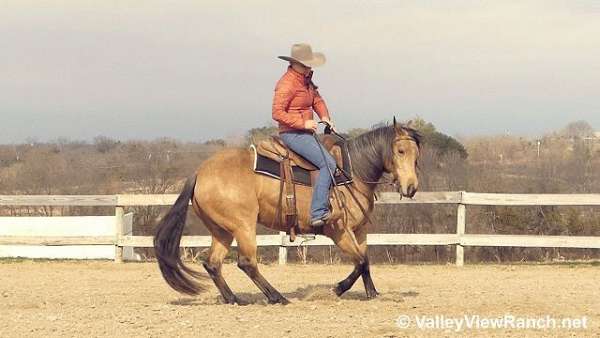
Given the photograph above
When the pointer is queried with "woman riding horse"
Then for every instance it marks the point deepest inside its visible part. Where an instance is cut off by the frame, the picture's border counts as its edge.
(295, 98)
(231, 199)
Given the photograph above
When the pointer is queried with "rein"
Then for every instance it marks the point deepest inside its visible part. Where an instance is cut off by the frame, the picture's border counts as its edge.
(329, 130)
(388, 182)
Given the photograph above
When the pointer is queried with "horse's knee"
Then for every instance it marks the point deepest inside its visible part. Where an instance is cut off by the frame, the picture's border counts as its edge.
(362, 264)
(365, 267)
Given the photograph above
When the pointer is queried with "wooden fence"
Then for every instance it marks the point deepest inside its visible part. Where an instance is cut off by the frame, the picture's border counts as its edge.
(460, 239)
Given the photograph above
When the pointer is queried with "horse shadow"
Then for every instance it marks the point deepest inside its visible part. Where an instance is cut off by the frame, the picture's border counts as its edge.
(319, 293)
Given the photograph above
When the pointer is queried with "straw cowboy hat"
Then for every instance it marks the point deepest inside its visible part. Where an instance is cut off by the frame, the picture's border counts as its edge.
(302, 53)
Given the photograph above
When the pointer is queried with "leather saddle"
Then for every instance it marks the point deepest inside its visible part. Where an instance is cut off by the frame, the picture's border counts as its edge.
(275, 159)
(304, 171)
(275, 149)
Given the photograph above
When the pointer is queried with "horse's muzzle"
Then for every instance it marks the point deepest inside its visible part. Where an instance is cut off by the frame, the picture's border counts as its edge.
(411, 191)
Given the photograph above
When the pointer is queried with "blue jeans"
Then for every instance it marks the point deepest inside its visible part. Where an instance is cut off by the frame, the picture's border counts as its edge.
(305, 145)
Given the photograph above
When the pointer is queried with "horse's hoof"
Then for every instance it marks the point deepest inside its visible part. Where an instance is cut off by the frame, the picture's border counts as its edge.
(372, 294)
(240, 302)
(281, 300)
(338, 290)
(224, 300)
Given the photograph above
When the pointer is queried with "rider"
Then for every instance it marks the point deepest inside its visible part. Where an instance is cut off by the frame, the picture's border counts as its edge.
(295, 98)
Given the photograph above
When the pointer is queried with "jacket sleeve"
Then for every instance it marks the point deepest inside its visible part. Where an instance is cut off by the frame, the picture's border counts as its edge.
(283, 95)
(320, 107)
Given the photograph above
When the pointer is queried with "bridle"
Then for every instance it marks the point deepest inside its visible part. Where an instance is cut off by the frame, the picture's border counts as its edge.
(379, 182)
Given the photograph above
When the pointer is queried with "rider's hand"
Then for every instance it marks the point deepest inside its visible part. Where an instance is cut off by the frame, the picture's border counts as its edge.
(310, 125)
(330, 124)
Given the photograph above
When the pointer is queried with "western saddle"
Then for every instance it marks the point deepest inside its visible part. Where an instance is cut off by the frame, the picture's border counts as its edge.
(274, 149)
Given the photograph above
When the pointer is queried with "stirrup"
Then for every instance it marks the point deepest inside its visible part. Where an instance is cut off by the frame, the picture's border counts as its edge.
(319, 223)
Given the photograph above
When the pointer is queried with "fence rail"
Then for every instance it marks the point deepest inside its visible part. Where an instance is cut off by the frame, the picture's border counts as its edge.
(460, 239)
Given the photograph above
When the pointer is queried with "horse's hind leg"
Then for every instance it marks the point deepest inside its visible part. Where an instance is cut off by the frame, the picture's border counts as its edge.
(219, 247)
(247, 263)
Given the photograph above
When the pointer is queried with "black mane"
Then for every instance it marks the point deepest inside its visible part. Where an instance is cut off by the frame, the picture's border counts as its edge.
(369, 150)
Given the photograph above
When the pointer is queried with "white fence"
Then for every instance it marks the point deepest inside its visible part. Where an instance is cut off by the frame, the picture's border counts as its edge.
(81, 228)
(460, 239)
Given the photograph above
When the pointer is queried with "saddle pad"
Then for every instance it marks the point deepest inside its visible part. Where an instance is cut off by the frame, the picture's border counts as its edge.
(266, 166)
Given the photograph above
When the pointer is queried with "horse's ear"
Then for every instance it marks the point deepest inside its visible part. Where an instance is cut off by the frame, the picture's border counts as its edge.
(398, 127)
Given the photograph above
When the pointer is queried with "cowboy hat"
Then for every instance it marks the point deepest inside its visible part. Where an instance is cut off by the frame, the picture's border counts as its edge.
(302, 53)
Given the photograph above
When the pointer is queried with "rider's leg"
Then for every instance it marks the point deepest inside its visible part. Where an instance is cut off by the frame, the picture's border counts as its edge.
(306, 146)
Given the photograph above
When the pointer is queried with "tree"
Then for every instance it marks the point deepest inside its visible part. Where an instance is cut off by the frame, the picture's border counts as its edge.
(216, 142)
(105, 144)
(354, 132)
(424, 127)
(578, 129)
(255, 135)
(443, 143)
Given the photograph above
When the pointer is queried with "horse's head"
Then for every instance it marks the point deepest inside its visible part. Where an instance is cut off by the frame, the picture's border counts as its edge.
(403, 162)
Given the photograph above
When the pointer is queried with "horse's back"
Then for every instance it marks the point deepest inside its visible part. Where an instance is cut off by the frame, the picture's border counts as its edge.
(231, 166)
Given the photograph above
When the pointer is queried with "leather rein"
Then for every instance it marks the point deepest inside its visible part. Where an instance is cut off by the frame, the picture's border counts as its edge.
(329, 130)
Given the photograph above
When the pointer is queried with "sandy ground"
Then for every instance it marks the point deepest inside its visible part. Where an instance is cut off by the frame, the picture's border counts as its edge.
(79, 299)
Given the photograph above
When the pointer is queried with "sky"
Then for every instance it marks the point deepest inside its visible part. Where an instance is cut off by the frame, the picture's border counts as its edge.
(199, 70)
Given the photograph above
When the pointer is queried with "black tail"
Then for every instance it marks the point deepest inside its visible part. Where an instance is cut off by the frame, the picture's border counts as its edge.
(166, 244)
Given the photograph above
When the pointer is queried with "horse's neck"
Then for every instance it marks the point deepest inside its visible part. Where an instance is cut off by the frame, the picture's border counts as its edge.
(368, 169)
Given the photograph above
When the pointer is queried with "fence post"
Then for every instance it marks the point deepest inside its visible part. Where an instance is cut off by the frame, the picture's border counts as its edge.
(461, 220)
(119, 225)
(282, 249)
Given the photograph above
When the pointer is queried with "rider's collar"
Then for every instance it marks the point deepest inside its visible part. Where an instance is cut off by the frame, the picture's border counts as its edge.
(306, 79)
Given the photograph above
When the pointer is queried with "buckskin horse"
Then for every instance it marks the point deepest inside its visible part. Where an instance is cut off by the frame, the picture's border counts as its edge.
(231, 199)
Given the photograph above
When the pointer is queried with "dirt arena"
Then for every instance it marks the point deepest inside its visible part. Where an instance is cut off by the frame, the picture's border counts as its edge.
(92, 299)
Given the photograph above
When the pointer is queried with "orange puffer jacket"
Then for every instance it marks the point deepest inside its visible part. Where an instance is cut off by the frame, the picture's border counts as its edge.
(295, 98)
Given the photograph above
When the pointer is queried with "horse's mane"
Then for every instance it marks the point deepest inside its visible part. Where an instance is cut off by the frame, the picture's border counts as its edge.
(369, 150)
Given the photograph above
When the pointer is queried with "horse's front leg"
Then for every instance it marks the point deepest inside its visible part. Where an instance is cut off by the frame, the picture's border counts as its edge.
(367, 280)
(349, 281)
(361, 238)
(361, 261)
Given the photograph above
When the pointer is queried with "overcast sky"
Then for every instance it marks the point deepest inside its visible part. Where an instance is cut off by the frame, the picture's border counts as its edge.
(196, 70)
